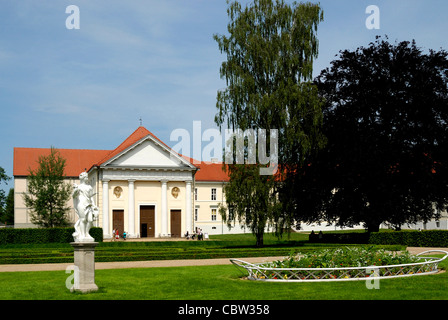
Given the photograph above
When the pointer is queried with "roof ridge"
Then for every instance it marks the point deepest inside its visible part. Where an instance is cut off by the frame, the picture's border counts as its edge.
(131, 135)
(139, 134)
(49, 148)
(121, 147)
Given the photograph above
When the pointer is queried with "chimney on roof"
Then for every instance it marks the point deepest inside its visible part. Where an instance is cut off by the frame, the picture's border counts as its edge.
(215, 160)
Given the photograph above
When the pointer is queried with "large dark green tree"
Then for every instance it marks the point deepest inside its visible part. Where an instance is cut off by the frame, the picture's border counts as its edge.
(386, 119)
(47, 193)
(7, 216)
(268, 71)
(4, 178)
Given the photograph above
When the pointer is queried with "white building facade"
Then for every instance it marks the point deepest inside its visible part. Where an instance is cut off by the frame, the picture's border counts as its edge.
(146, 189)
(142, 187)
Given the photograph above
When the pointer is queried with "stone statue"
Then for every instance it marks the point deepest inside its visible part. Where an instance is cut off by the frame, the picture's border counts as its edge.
(87, 211)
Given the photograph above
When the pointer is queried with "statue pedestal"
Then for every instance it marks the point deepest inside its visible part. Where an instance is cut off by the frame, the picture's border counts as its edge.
(85, 266)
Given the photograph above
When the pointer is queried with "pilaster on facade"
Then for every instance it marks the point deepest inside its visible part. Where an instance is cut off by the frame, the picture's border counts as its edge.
(188, 206)
(105, 204)
(164, 208)
(131, 208)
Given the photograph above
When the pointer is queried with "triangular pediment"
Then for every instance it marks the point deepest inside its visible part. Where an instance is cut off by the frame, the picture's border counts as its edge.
(148, 152)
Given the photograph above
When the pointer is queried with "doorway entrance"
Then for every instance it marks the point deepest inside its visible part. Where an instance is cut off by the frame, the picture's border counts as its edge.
(147, 225)
(118, 220)
(176, 223)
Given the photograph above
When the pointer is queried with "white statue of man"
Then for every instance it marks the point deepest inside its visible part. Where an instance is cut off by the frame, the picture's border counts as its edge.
(87, 211)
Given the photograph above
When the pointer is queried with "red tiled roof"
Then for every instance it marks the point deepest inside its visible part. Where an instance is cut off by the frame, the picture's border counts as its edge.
(137, 135)
(211, 172)
(77, 160)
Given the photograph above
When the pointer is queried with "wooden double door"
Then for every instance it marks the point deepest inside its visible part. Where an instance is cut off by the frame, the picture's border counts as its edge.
(147, 221)
(118, 221)
(176, 223)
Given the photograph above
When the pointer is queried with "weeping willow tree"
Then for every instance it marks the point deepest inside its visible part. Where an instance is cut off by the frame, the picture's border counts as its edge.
(269, 51)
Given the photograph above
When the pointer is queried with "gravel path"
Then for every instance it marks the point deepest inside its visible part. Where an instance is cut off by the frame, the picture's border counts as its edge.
(131, 264)
(416, 250)
(156, 263)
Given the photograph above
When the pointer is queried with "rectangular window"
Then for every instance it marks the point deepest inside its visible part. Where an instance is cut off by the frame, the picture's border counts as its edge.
(195, 193)
(214, 210)
(213, 193)
(195, 214)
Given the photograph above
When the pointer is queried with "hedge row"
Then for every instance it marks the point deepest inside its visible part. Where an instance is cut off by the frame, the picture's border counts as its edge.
(62, 257)
(410, 238)
(346, 238)
(103, 253)
(425, 238)
(47, 235)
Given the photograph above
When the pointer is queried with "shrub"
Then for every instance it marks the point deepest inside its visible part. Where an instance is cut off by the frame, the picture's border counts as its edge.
(345, 257)
(411, 238)
(43, 235)
(351, 237)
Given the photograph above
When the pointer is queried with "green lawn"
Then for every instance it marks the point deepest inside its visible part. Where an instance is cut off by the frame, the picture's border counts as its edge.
(196, 283)
(212, 283)
(225, 246)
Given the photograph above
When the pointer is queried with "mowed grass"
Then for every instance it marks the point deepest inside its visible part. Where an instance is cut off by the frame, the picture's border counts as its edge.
(225, 246)
(222, 282)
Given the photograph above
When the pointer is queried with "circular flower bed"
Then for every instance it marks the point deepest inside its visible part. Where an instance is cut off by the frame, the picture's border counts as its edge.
(343, 264)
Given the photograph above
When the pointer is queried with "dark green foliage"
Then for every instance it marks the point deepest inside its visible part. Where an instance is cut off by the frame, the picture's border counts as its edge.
(7, 212)
(5, 201)
(352, 237)
(43, 235)
(346, 257)
(385, 118)
(47, 193)
(426, 238)
(411, 238)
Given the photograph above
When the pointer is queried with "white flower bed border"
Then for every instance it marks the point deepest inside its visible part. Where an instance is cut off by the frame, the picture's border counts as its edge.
(260, 272)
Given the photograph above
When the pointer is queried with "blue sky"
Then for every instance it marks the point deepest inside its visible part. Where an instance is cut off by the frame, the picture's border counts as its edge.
(87, 88)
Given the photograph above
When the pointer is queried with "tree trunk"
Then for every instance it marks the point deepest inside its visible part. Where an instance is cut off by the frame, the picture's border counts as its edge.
(259, 237)
(373, 227)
